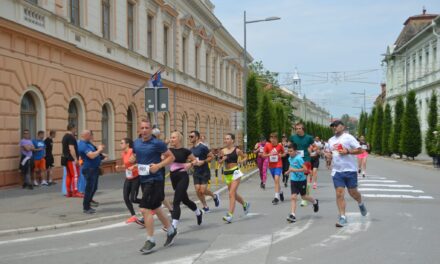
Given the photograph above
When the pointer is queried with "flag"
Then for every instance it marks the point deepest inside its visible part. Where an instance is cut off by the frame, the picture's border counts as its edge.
(156, 79)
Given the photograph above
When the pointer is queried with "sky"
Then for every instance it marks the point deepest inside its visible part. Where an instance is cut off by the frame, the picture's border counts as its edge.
(335, 45)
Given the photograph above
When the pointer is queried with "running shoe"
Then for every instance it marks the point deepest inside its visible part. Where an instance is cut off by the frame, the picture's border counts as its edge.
(44, 183)
(94, 203)
(316, 206)
(282, 197)
(261, 185)
(52, 183)
(304, 203)
(341, 222)
(285, 184)
(199, 218)
(148, 247)
(359, 171)
(246, 207)
(206, 210)
(140, 221)
(363, 209)
(363, 175)
(78, 195)
(315, 185)
(89, 211)
(132, 219)
(291, 218)
(275, 201)
(264, 186)
(228, 218)
(216, 200)
(170, 238)
(36, 183)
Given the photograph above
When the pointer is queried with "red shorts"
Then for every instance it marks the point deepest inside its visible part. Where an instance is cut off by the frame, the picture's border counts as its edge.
(40, 164)
(308, 166)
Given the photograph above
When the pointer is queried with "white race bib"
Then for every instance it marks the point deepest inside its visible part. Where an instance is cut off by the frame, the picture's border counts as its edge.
(261, 150)
(237, 174)
(301, 153)
(364, 147)
(273, 158)
(144, 169)
(129, 174)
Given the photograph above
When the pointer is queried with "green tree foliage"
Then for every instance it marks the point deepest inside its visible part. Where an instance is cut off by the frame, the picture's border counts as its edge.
(377, 130)
(266, 116)
(399, 109)
(411, 138)
(430, 139)
(370, 126)
(386, 130)
(253, 126)
(362, 126)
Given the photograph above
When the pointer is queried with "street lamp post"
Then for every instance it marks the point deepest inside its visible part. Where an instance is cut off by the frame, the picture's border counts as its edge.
(245, 22)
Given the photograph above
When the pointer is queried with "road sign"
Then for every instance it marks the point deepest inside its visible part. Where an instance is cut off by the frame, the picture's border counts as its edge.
(156, 100)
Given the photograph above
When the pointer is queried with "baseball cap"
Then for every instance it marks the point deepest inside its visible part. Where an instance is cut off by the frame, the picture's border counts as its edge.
(336, 123)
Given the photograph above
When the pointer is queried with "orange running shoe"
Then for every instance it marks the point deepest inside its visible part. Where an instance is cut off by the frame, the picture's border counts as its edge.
(132, 219)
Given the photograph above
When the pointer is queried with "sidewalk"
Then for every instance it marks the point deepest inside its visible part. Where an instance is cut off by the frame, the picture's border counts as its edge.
(45, 208)
(421, 160)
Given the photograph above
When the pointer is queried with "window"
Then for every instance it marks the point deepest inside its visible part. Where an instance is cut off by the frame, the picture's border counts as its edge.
(434, 57)
(73, 114)
(207, 68)
(130, 123)
(150, 36)
(183, 54)
(214, 77)
(227, 79)
(215, 133)
(166, 125)
(74, 12)
(208, 131)
(427, 68)
(105, 19)
(221, 76)
(420, 65)
(197, 123)
(196, 61)
(105, 126)
(165, 45)
(130, 25)
(184, 131)
(28, 114)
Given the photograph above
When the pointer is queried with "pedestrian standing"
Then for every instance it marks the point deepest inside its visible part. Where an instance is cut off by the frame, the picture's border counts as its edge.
(39, 160)
(273, 152)
(49, 156)
(26, 160)
(92, 157)
(262, 162)
(343, 147)
(147, 154)
(69, 159)
(362, 158)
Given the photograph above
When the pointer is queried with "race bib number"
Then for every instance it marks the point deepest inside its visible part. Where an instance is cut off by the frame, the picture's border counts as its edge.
(273, 158)
(364, 147)
(129, 174)
(261, 150)
(301, 153)
(144, 169)
(237, 174)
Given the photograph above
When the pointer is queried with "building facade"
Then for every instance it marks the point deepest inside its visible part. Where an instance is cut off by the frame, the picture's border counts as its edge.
(80, 61)
(413, 63)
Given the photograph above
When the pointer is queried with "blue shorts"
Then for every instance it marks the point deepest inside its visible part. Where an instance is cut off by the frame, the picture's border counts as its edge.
(276, 171)
(345, 179)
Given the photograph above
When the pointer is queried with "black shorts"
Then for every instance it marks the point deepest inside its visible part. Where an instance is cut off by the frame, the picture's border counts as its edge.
(202, 178)
(315, 163)
(49, 162)
(298, 187)
(153, 193)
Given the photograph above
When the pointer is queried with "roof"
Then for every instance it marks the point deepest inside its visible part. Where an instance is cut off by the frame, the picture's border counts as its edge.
(412, 26)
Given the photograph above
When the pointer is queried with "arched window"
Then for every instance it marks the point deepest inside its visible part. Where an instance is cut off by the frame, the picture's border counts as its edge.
(73, 114)
(185, 130)
(197, 123)
(221, 132)
(105, 126)
(215, 134)
(131, 122)
(166, 125)
(28, 113)
(208, 131)
(107, 129)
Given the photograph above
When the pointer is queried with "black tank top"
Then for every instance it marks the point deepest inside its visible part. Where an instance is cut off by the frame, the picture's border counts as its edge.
(232, 157)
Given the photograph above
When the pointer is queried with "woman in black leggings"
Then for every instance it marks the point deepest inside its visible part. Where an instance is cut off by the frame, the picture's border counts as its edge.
(180, 178)
(131, 184)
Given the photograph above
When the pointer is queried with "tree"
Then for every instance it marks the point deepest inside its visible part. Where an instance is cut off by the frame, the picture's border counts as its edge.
(377, 130)
(370, 126)
(362, 126)
(399, 109)
(430, 140)
(253, 128)
(266, 116)
(411, 139)
(386, 130)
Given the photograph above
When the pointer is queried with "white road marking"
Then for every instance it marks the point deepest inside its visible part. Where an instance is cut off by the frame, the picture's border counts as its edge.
(382, 181)
(389, 190)
(387, 185)
(397, 196)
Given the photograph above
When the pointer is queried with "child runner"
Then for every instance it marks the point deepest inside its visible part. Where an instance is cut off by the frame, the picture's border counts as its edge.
(273, 151)
(298, 182)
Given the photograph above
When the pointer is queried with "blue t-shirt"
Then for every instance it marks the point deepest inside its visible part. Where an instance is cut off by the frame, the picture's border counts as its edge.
(201, 152)
(148, 152)
(85, 147)
(297, 163)
(38, 155)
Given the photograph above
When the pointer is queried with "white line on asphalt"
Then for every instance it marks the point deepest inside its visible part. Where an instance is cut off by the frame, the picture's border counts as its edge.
(388, 190)
(387, 185)
(397, 196)
(383, 181)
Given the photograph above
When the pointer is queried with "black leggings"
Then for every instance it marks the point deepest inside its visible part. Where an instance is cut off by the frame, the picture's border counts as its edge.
(131, 189)
(286, 166)
(180, 182)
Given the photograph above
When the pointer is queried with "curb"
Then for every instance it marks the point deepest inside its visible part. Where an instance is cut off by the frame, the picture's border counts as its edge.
(102, 219)
(409, 162)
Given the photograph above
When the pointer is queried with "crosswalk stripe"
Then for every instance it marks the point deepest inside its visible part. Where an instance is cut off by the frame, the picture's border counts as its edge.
(397, 196)
(383, 181)
(387, 185)
(389, 190)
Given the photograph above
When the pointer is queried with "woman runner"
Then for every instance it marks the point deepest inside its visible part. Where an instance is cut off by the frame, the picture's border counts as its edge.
(262, 162)
(229, 156)
(131, 184)
(285, 159)
(180, 178)
(362, 158)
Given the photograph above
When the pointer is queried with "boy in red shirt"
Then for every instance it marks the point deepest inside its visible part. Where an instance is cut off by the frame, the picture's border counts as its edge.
(274, 151)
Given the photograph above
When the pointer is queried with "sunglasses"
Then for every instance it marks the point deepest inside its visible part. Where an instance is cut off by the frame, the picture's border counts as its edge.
(190, 136)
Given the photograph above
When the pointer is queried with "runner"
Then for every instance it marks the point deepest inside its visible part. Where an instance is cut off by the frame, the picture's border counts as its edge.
(132, 183)
(39, 160)
(69, 159)
(273, 151)
(304, 143)
(147, 154)
(343, 147)
(328, 160)
(314, 156)
(229, 155)
(180, 178)
(285, 159)
(202, 174)
(262, 162)
(298, 182)
(49, 156)
(362, 158)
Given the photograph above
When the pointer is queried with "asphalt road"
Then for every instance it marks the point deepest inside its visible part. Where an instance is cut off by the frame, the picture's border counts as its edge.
(402, 226)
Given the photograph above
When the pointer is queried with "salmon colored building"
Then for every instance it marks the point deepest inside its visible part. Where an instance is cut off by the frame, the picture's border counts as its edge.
(72, 61)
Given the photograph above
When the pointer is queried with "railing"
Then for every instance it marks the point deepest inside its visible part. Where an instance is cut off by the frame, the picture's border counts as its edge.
(34, 17)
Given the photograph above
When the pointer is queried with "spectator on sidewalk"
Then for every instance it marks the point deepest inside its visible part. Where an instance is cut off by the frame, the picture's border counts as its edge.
(39, 159)
(26, 161)
(91, 157)
(69, 159)
(49, 156)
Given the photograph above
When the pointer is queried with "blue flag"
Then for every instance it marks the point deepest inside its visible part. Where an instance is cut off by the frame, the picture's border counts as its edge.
(156, 79)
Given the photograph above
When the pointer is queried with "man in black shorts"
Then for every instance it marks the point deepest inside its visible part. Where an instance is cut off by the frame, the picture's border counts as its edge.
(49, 156)
(202, 173)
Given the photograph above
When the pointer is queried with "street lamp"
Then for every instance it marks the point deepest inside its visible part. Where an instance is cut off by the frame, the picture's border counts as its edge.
(245, 22)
